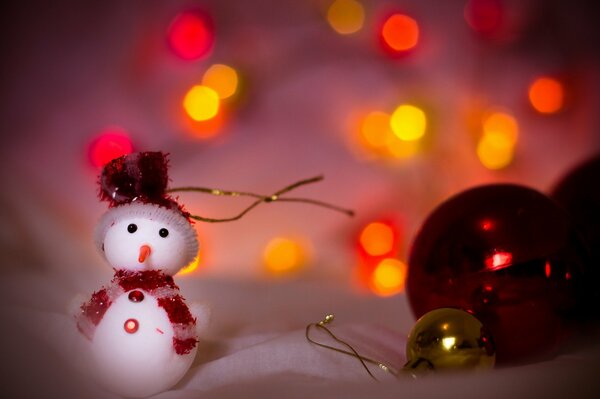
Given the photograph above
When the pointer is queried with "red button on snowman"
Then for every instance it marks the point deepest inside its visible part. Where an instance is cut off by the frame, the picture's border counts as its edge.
(143, 335)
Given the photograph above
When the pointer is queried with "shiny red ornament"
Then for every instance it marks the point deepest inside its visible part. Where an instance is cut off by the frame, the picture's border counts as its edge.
(578, 192)
(509, 255)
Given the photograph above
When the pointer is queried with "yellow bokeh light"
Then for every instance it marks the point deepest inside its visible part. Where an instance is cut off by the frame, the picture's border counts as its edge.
(377, 239)
(201, 103)
(408, 122)
(502, 123)
(346, 16)
(495, 150)
(496, 147)
(388, 277)
(284, 255)
(221, 78)
(375, 129)
(192, 266)
(546, 95)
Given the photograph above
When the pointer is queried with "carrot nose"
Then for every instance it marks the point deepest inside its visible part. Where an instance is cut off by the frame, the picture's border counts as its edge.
(144, 253)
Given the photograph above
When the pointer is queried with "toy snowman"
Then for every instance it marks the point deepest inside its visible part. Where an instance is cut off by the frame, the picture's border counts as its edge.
(143, 335)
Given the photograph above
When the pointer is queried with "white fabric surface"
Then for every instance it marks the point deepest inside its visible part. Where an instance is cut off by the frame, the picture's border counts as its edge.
(255, 347)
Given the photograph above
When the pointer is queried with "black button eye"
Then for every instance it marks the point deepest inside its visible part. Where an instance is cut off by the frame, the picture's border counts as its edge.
(132, 228)
(163, 232)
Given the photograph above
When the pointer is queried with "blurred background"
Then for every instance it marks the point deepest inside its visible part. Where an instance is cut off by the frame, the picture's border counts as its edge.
(400, 104)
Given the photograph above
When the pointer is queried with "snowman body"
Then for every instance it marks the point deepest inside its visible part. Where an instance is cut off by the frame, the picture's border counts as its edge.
(133, 347)
(142, 334)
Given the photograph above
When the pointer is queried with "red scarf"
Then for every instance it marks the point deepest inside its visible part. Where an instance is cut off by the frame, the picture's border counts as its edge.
(157, 284)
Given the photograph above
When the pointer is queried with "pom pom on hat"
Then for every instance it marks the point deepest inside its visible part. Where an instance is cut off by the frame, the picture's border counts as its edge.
(141, 176)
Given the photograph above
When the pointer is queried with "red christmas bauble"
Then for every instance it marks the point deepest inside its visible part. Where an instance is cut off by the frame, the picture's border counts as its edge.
(509, 255)
(578, 192)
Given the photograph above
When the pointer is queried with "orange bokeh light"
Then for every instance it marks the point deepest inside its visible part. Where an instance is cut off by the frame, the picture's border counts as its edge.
(377, 239)
(497, 144)
(375, 129)
(346, 16)
(400, 33)
(546, 95)
(223, 79)
(285, 255)
(389, 277)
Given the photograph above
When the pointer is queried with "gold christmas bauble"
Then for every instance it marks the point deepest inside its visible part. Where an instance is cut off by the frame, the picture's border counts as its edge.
(449, 339)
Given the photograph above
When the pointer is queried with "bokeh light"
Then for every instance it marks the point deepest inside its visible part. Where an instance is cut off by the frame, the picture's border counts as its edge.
(400, 33)
(375, 129)
(111, 143)
(284, 255)
(191, 35)
(377, 239)
(223, 79)
(496, 146)
(346, 16)
(503, 123)
(389, 277)
(484, 16)
(495, 150)
(377, 137)
(201, 103)
(546, 95)
(193, 266)
(408, 122)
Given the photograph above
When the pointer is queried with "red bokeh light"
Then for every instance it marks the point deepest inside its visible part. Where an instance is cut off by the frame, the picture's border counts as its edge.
(191, 35)
(484, 16)
(399, 34)
(108, 145)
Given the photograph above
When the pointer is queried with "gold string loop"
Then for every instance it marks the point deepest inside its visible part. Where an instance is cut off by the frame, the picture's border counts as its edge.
(276, 197)
(350, 352)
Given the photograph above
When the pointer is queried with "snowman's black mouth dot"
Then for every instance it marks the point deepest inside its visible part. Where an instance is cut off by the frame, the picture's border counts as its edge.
(136, 296)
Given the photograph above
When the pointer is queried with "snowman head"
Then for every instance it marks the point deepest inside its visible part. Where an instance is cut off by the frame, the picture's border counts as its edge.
(144, 229)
